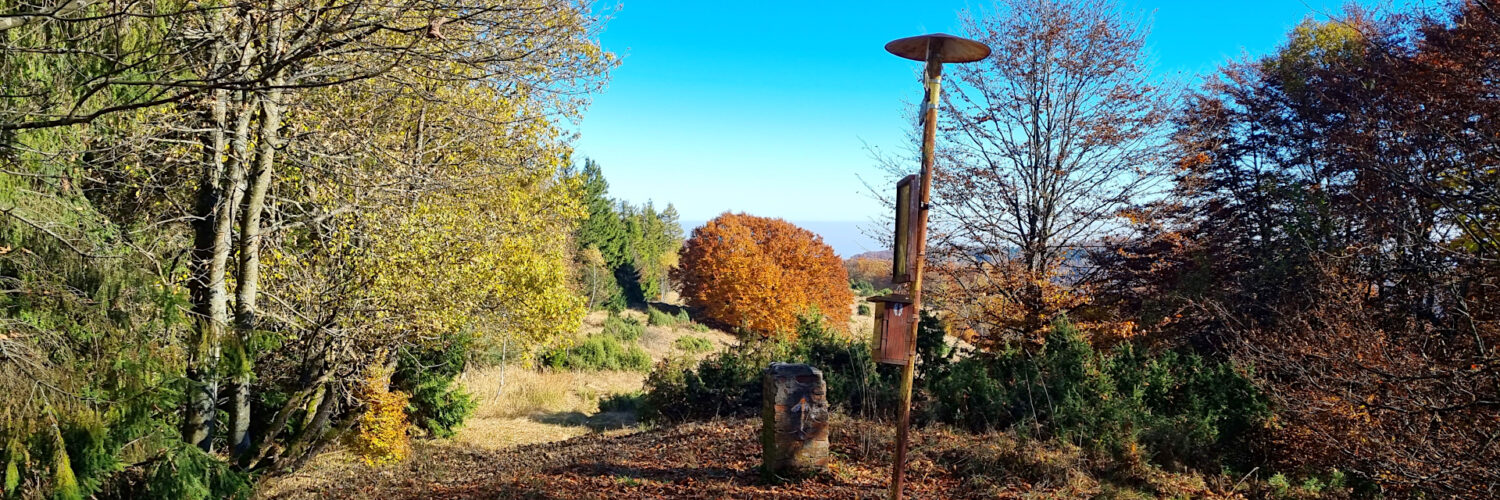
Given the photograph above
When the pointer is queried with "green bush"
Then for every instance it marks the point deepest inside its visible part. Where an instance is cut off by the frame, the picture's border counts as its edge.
(1196, 410)
(427, 374)
(729, 383)
(1180, 407)
(71, 457)
(90, 457)
(972, 397)
(864, 310)
(187, 473)
(622, 402)
(598, 352)
(693, 345)
(14, 456)
(655, 317)
(623, 328)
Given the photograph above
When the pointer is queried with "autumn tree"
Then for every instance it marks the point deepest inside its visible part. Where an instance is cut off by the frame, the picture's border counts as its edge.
(267, 194)
(1044, 144)
(1329, 224)
(762, 274)
(868, 273)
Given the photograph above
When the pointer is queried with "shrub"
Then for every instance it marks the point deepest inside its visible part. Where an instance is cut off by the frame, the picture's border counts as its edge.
(693, 345)
(655, 317)
(729, 383)
(1181, 407)
(1196, 410)
(427, 374)
(598, 352)
(623, 328)
(14, 457)
(188, 473)
(381, 437)
(622, 402)
(90, 458)
(699, 327)
(971, 397)
(864, 310)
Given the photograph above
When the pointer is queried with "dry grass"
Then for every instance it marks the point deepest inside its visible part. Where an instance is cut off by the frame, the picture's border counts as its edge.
(543, 406)
(540, 406)
(527, 392)
(660, 341)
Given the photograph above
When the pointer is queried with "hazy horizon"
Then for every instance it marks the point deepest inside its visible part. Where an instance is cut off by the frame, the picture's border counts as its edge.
(845, 236)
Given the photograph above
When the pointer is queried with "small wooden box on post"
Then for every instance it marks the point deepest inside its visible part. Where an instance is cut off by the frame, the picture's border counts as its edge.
(893, 342)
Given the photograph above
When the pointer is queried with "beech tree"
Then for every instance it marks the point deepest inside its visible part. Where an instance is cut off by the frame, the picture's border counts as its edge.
(762, 274)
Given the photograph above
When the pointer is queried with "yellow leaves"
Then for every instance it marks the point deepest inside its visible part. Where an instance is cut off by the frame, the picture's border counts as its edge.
(381, 437)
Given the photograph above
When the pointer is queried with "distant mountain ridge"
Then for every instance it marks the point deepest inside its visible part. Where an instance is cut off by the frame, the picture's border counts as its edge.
(874, 254)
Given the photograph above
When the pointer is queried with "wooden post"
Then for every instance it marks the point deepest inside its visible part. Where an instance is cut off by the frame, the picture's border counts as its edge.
(932, 79)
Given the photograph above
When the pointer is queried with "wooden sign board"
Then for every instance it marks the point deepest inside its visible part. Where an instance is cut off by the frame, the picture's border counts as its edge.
(908, 209)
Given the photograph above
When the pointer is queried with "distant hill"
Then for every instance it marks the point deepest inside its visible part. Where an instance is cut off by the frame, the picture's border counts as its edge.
(874, 254)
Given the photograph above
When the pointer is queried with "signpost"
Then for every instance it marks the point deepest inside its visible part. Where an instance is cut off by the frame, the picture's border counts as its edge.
(934, 50)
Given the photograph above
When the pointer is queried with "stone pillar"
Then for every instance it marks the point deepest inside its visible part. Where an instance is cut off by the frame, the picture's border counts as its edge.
(794, 420)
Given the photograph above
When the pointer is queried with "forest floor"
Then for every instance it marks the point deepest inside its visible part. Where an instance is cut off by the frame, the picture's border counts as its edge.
(720, 459)
(540, 434)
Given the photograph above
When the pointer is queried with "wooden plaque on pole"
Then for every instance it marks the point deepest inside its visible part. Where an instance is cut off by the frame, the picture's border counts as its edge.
(908, 208)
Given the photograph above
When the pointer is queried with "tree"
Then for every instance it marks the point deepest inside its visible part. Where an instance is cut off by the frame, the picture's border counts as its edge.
(1048, 140)
(638, 244)
(257, 201)
(868, 273)
(1329, 225)
(762, 274)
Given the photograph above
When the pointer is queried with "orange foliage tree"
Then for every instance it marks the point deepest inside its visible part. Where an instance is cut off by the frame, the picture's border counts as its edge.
(761, 273)
(875, 271)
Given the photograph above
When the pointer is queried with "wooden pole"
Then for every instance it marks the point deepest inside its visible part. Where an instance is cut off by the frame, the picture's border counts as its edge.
(932, 80)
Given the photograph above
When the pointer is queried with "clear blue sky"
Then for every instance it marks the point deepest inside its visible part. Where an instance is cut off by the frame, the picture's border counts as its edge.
(765, 107)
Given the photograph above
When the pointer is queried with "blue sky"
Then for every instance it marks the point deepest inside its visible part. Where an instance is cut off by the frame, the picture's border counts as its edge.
(767, 107)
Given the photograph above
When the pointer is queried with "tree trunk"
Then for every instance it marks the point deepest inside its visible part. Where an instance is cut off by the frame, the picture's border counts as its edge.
(209, 261)
(321, 408)
(248, 282)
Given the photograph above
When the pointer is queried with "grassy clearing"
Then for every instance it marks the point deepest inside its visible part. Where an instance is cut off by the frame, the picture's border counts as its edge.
(553, 405)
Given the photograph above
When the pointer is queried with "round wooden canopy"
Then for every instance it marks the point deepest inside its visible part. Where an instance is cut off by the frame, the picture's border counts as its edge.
(951, 49)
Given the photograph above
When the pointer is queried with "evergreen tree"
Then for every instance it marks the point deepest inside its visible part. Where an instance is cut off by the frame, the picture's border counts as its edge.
(638, 244)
